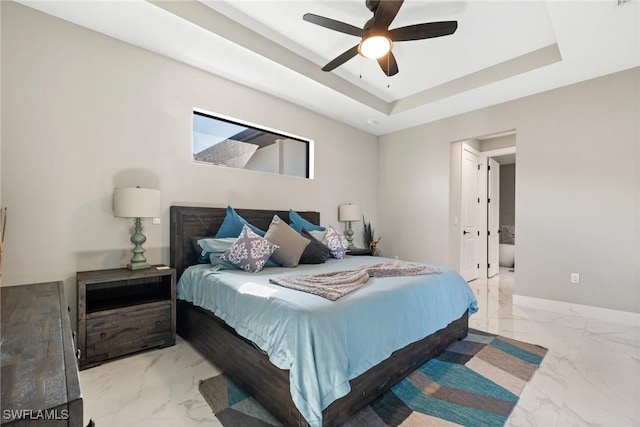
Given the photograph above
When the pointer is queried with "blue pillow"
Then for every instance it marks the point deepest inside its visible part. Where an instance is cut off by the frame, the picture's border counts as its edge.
(232, 225)
(212, 248)
(298, 223)
(203, 256)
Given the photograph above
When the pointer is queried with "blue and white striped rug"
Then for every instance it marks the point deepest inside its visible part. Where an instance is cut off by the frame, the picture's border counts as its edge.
(473, 382)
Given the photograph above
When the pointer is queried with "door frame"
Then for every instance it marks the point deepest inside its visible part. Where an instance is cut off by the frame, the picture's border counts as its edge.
(483, 194)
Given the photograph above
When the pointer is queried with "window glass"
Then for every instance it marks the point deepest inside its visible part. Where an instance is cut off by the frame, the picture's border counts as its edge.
(225, 142)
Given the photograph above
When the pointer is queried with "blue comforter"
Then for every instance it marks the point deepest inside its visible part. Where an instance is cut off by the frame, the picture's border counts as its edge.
(326, 343)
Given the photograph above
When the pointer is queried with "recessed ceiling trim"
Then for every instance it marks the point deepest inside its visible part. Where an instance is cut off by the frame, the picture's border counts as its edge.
(504, 70)
(265, 46)
(210, 20)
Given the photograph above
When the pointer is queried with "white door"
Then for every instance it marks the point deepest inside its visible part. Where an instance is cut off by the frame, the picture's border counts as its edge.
(493, 217)
(469, 258)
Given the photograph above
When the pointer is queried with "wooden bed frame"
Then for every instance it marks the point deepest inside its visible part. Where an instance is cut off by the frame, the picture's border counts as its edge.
(248, 366)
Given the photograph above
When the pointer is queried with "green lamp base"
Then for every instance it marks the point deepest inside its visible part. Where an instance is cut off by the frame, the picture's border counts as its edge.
(138, 261)
(138, 266)
(349, 236)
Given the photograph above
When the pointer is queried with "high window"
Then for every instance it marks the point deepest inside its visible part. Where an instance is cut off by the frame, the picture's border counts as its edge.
(227, 142)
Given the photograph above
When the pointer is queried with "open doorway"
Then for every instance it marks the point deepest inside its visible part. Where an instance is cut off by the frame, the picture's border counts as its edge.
(507, 236)
(482, 203)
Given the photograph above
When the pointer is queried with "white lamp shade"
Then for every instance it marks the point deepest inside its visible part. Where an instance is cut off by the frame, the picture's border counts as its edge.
(136, 202)
(349, 213)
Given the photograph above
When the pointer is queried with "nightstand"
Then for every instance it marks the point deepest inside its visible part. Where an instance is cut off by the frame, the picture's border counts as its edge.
(359, 251)
(122, 311)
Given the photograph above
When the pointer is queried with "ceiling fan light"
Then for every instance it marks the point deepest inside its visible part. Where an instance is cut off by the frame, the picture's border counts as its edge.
(374, 47)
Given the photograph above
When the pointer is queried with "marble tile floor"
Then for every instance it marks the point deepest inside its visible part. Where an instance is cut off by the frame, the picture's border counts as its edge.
(590, 376)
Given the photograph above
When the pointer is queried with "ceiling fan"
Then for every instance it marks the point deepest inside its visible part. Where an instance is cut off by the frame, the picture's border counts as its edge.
(376, 37)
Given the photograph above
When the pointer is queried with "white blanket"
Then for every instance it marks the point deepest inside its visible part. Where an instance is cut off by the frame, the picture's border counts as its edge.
(336, 284)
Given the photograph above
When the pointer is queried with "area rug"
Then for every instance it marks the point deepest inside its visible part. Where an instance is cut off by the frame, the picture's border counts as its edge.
(473, 382)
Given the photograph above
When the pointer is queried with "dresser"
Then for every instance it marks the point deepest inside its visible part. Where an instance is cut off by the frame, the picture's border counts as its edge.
(40, 382)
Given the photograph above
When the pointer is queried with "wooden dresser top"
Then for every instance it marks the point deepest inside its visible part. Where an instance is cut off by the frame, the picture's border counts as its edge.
(39, 369)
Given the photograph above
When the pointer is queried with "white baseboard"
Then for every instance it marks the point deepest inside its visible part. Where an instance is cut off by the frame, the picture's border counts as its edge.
(588, 311)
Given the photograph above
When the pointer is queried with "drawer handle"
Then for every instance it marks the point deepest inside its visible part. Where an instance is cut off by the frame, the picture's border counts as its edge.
(103, 335)
(158, 323)
(79, 354)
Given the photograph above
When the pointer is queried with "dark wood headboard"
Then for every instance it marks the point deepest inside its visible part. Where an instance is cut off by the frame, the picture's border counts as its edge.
(188, 222)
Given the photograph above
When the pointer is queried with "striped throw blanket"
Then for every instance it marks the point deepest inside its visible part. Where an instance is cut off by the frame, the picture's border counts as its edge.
(337, 284)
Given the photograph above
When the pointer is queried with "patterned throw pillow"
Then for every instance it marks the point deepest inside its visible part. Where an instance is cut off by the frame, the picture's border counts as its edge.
(250, 252)
(336, 242)
(210, 250)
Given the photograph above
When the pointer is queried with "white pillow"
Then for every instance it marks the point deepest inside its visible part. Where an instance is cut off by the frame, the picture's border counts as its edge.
(318, 234)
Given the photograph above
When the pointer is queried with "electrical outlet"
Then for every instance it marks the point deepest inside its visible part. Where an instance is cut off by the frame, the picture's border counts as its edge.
(575, 278)
(156, 221)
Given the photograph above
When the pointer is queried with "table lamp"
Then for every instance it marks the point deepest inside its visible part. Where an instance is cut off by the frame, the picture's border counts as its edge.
(130, 202)
(348, 213)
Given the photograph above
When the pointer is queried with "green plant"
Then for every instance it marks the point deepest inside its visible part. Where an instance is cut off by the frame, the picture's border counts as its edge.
(369, 234)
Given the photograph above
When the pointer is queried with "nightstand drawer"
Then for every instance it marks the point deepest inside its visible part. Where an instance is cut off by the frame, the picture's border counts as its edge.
(129, 329)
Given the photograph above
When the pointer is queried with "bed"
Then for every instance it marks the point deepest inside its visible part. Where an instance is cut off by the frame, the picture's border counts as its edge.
(246, 363)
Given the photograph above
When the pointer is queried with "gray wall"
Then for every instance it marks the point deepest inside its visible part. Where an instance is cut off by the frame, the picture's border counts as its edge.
(578, 190)
(508, 194)
(83, 113)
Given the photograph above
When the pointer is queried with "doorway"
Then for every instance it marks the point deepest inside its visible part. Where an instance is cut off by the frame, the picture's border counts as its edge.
(486, 167)
(507, 241)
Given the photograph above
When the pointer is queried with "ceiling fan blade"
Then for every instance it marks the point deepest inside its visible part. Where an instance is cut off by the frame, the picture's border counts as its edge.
(388, 64)
(332, 24)
(386, 13)
(341, 59)
(423, 31)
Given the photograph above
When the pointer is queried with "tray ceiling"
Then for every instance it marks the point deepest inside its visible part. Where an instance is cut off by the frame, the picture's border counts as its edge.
(502, 50)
